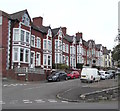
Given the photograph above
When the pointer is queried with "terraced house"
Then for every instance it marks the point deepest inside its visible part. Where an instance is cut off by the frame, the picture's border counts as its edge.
(26, 42)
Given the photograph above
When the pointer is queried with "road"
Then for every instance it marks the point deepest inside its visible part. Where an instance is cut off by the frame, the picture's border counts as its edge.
(42, 95)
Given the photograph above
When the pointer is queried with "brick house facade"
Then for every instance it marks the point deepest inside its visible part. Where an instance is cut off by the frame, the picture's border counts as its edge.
(27, 43)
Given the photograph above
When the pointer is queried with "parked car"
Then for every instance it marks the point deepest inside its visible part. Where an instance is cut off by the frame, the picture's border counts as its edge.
(57, 76)
(90, 75)
(112, 73)
(118, 71)
(73, 74)
(104, 74)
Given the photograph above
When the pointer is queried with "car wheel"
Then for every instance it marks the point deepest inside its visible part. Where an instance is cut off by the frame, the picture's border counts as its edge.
(58, 79)
(74, 77)
(66, 78)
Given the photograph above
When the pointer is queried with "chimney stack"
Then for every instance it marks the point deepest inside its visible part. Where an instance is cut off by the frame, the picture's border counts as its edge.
(64, 30)
(79, 34)
(38, 21)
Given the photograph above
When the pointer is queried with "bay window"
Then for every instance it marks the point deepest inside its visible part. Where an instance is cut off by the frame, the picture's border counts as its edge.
(38, 42)
(22, 35)
(27, 36)
(33, 41)
(37, 59)
(27, 56)
(15, 50)
(16, 35)
(21, 55)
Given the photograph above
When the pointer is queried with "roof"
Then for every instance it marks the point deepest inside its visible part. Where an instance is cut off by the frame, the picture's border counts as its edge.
(68, 38)
(19, 14)
(55, 31)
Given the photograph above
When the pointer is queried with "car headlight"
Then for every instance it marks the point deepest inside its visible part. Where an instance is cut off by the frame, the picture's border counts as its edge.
(54, 76)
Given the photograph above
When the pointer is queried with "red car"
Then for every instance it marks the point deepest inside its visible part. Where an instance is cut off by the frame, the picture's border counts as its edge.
(73, 74)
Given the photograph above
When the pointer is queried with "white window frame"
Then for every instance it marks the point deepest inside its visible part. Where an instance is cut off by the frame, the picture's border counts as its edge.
(67, 48)
(63, 47)
(56, 45)
(50, 60)
(33, 38)
(49, 45)
(15, 53)
(44, 45)
(25, 20)
(44, 58)
(33, 64)
(64, 59)
(23, 54)
(27, 36)
(38, 42)
(15, 38)
(0, 20)
(21, 35)
(67, 60)
(56, 58)
(38, 60)
(27, 59)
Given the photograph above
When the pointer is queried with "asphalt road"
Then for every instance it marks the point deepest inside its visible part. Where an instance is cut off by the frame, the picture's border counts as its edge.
(42, 95)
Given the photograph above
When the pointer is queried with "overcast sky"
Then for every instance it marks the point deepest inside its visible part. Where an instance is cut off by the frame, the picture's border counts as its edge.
(96, 19)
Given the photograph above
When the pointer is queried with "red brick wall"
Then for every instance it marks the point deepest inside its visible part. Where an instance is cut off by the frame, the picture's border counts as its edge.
(4, 44)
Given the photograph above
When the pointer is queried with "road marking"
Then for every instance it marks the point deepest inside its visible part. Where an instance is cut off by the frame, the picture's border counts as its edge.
(52, 100)
(8, 85)
(27, 101)
(1, 102)
(39, 101)
(64, 101)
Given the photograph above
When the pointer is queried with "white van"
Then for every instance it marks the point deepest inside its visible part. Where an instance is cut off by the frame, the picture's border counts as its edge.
(90, 75)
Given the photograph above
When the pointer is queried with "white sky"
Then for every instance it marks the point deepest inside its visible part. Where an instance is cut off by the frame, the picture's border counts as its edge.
(96, 19)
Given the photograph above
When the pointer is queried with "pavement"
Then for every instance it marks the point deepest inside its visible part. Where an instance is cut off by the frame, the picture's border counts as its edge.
(73, 94)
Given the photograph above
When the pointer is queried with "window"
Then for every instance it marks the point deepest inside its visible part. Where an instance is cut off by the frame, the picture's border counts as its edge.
(60, 58)
(78, 61)
(71, 61)
(45, 59)
(63, 59)
(49, 60)
(33, 41)
(49, 33)
(63, 47)
(25, 19)
(56, 58)
(56, 44)
(38, 42)
(38, 59)
(67, 49)
(67, 60)
(15, 54)
(78, 50)
(21, 55)
(22, 35)
(49, 45)
(44, 44)
(0, 20)
(27, 36)
(32, 58)
(70, 49)
(60, 45)
(26, 56)
(16, 35)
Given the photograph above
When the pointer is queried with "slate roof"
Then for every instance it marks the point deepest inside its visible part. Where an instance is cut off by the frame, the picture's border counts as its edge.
(68, 38)
(19, 14)
(55, 31)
